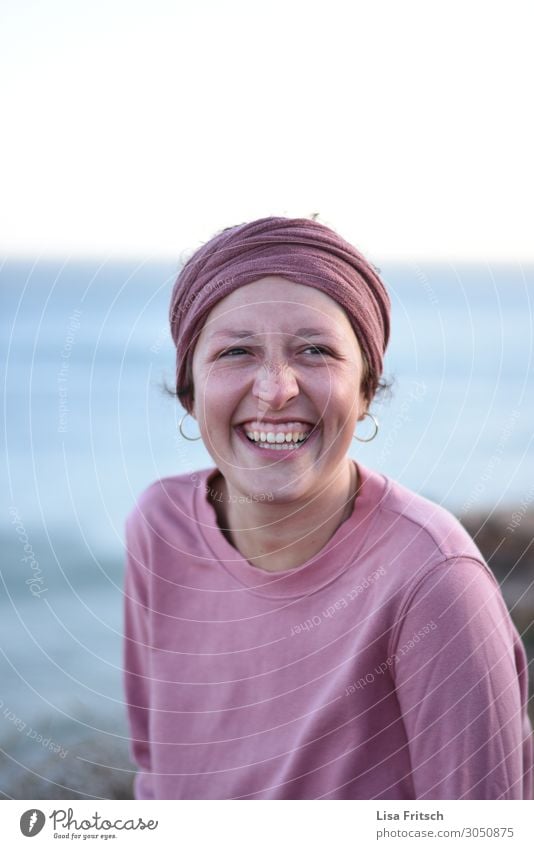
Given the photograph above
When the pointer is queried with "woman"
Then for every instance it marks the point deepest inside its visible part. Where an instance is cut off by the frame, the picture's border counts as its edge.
(298, 626)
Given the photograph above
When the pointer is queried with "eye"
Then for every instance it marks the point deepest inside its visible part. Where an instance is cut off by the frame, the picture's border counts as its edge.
(317, 348)
(229, 351)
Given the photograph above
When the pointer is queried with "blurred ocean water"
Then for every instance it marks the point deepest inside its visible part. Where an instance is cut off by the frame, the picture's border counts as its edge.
(85, 350)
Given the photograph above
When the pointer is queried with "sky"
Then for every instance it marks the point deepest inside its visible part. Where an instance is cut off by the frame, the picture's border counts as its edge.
(139, 129)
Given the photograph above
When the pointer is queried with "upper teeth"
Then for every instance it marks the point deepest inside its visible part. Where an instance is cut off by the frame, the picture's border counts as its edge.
(272, 436)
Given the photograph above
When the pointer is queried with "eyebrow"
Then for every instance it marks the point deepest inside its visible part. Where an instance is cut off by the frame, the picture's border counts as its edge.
(302, 331)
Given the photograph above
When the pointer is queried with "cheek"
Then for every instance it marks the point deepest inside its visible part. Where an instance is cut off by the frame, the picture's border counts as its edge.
(209, 388)
(346, 409)
(338, 389)
(215, 402)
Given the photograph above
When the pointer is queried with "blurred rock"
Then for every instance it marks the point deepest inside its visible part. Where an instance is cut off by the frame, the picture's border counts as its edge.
(506, 540)
(92, 769)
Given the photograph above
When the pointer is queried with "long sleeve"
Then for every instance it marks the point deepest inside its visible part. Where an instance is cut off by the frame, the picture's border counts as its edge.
(460, 674)
(136, 652)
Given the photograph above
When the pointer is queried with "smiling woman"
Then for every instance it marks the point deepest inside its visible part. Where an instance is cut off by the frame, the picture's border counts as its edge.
(298, 626)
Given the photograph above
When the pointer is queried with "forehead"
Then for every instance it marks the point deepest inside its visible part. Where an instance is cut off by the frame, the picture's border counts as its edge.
(276, 304)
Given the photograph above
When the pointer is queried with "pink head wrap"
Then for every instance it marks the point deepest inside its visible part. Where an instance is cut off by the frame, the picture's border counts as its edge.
(301, 250)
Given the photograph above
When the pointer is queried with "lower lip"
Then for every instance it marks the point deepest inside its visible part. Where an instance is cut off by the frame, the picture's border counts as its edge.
(282, 454)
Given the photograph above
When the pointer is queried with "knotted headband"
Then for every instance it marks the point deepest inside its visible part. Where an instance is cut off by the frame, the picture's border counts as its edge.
(301, 250)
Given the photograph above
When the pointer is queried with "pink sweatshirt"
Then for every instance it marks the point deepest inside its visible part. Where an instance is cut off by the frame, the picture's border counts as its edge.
(387, 667)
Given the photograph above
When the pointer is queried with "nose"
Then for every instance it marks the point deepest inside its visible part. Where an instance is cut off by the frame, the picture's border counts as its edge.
(275, 384)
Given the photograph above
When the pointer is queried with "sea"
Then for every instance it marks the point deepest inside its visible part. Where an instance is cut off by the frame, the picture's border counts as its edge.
(86, 354)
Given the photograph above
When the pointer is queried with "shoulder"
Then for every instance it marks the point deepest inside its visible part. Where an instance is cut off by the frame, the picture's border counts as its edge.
(423, 525)
(168, 499)
(431, 556)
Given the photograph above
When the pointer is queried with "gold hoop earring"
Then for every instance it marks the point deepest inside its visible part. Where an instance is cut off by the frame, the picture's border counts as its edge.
(369, 438)
(190, 438)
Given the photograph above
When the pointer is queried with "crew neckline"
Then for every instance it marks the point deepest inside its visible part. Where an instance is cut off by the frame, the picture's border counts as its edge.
(317, 572)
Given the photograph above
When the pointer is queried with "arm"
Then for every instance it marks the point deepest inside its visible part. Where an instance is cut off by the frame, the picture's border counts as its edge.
(136, 652)
(461, 683)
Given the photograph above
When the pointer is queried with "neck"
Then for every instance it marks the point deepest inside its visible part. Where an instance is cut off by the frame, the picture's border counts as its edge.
(276, 537)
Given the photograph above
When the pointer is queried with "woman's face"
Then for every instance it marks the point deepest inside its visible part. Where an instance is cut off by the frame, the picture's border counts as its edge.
(276, 358)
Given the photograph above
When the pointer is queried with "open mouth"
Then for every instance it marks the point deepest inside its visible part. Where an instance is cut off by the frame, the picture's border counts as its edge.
(281, 442)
